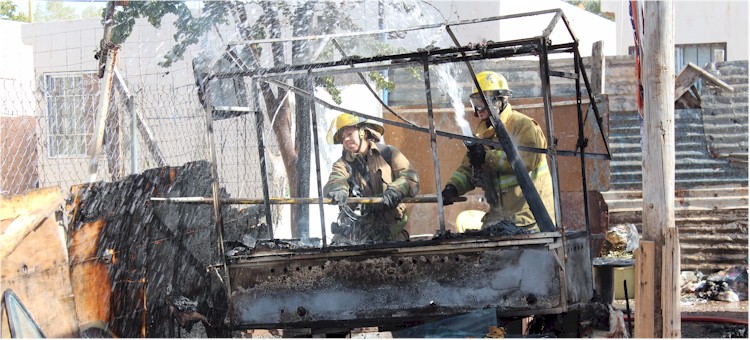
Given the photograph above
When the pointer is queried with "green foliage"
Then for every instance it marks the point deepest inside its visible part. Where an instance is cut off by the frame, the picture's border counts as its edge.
(189, 27)
(55, 10)
(329, 17)
(8, 10)
(328, 83)
(593, 6)
(380, 81)
(92, 12)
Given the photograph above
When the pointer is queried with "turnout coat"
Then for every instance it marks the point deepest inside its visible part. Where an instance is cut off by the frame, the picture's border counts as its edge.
(497, 179)
(369, 175)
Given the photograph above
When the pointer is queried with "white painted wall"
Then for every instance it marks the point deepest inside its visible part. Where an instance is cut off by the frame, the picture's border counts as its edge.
(588, 27)
(695, 22)
(16, 70)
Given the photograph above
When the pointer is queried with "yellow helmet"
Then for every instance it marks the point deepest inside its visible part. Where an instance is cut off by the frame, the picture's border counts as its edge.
(347, 119)
(492, 81)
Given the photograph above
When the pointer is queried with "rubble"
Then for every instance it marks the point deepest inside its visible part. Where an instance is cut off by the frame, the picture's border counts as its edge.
(728, 285)
(622, 241)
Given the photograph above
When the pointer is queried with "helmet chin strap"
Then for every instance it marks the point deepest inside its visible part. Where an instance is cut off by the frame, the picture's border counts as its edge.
(362, 135)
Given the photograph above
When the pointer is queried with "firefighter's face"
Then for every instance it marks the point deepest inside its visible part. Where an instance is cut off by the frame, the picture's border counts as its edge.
(482, 111)
(479, 108)
(350, 138)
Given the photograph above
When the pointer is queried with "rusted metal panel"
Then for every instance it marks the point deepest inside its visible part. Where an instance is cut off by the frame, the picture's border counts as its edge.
(519, 275)
(580, 286)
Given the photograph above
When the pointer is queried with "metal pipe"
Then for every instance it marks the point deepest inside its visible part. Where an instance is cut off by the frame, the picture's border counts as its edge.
(581, 142)
(551, 26)
(297, 200)
(552, 141)
(215, 192)
(416, 28)
(366, 83)
(592, 102)
(263, 170)
(316, 147)
(433, 146)
(519, 47)
(133, 135)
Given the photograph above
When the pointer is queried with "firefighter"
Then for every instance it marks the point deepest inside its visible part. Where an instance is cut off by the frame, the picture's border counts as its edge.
(488, 167)
(368, 168)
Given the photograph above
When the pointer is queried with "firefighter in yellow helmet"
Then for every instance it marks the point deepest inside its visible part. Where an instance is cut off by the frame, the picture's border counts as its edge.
(368, 168)
(488, 167)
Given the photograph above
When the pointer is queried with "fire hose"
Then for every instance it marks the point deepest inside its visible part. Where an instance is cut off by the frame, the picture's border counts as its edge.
(296, 200)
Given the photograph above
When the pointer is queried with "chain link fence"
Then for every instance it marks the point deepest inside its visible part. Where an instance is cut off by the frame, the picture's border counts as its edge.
(47, 128)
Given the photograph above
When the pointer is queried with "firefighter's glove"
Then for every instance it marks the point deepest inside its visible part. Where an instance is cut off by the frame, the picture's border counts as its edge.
(339, 196)
(476, 154)
(450, 194)
(391, 198)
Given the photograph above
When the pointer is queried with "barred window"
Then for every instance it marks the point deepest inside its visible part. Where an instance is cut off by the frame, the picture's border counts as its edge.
(71, 103)
(698, 54)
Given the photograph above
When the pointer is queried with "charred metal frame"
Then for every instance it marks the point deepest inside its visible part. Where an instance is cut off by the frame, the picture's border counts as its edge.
(563, 248)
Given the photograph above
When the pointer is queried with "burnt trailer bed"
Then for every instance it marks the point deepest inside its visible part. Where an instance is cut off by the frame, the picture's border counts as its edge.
(519, 275)
(277, 285)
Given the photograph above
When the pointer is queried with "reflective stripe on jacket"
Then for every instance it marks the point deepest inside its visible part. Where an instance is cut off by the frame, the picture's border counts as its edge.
(497, 177)
(399, 175)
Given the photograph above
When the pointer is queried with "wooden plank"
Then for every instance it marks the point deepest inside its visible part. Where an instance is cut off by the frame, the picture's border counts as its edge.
(670, 293)
(14, 206)
(15, 231)
(37, 270)
(687, 77)
(644, 290)
(690, 73)
(597, 68)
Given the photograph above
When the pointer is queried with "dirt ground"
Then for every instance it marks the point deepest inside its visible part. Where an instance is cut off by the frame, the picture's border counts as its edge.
(693, 308)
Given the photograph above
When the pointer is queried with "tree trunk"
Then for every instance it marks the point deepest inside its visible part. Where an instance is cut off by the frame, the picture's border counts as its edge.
(300, 54)
(281, 126)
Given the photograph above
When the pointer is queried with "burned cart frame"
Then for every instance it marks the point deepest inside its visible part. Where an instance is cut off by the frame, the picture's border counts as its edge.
(385, 284)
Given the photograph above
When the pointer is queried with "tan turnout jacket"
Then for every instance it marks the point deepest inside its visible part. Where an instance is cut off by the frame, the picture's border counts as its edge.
(497, 178)
(399, 175)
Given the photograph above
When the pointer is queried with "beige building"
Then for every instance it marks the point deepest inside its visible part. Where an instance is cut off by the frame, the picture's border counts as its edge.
(701, 28)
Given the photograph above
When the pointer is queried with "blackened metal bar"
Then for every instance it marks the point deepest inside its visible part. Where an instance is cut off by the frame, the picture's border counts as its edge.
(316, 147)
(570, 30)
(433, 146)
(581, 143)
(262, 157)
(547, 31)
(425, 130)
(592, 102)
(552, 141)
(522, 176)
(562, 74)
(353, 34)
(410, 58)
(215, 192)
(367, 84)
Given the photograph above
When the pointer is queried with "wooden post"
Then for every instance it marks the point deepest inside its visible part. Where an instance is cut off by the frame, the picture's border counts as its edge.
(644, 290)
(670, 294)
(657, 70)
(597, 68)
